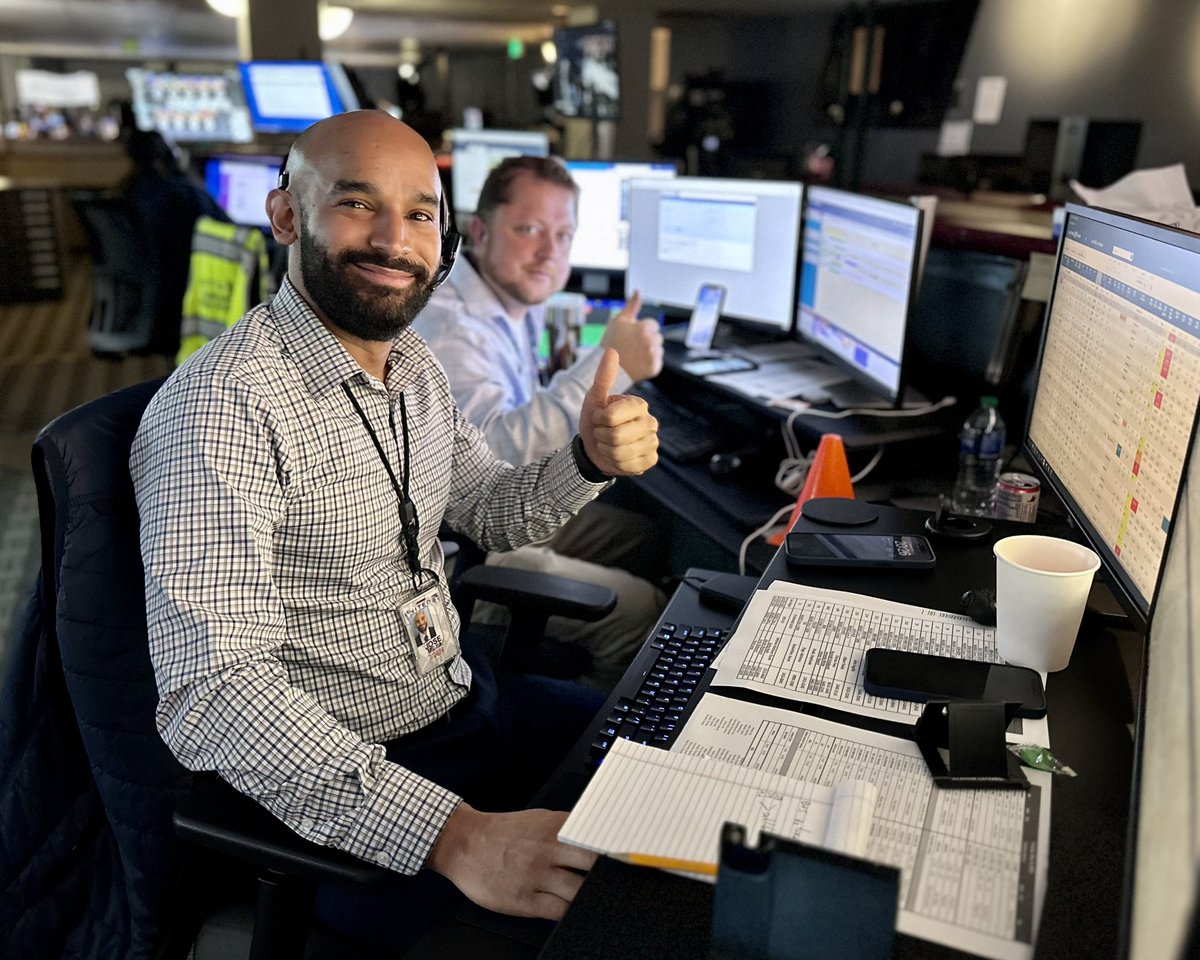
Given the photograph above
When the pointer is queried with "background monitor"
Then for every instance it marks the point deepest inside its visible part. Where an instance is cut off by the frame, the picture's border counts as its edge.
(1114, 408)
(189, 107)
(475, 152)
(858, 272)
(586, 80)
(602, 240)
(288, 96)
(240, 186)
(741, 234)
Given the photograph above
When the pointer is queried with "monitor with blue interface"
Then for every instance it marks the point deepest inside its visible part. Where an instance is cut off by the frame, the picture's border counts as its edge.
(190, 107)
(858, 274)
(287, 96)
(602, 240)
(1114, 409)
(240, 186)
(473, 153)
(741, 234)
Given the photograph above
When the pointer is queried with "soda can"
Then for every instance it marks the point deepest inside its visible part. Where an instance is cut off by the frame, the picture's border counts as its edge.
(1017, 497)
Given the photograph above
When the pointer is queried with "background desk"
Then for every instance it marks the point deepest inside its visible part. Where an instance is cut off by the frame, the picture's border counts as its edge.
(631, 912)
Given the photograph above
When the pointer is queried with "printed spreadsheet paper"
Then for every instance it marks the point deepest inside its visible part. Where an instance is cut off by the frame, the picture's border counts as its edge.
(683, 801)
(807, 643)
(973, 862)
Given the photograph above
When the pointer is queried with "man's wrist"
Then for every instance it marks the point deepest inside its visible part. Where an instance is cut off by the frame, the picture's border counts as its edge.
(583, 463)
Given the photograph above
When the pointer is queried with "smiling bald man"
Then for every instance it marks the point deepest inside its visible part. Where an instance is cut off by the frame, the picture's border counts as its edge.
(291, 478)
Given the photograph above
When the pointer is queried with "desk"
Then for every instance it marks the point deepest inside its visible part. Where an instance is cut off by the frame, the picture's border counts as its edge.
(631, 912)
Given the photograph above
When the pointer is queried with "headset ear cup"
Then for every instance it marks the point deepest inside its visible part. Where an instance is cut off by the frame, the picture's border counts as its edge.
(450, 244)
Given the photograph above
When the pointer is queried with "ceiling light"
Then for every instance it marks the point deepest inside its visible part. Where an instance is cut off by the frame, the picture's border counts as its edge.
(228, 8)
(332, 21)
(406, 70)
(549, 51)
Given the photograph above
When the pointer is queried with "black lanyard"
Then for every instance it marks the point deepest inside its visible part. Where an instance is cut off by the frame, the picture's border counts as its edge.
(410, 522)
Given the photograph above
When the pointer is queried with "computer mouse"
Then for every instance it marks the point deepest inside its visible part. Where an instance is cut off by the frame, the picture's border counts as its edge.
(980, 605)
(723, 464)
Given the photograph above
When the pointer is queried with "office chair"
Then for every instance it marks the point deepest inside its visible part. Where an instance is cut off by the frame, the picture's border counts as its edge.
(127, 281)
(93, 594)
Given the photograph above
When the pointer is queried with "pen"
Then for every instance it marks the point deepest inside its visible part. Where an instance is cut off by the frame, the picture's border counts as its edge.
(667, 863)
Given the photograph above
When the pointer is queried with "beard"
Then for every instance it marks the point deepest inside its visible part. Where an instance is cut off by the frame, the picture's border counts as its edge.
(363, 309)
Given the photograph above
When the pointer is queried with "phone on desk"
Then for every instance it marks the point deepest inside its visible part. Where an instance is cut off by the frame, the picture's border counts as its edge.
(902, 551)
(702, 326)
(901, 675)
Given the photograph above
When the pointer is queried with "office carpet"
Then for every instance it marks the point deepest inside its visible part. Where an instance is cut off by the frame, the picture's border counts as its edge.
(46, 368)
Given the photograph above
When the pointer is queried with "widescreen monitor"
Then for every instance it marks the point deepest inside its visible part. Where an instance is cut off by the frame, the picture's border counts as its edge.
(858, 273)
(288, 96)
(602, 240)
(1114, 407)
(240, 186)
(586, 80)
(741, 234)
(473, 154)
(190, 107)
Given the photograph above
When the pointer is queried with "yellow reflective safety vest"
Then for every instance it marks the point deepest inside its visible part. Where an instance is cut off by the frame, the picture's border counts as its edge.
(228, 275)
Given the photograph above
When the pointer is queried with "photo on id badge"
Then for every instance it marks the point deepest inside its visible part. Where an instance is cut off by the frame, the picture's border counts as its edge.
(428, 629)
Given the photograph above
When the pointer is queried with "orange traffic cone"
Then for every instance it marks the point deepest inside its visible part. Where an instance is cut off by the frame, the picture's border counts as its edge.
(828, 476)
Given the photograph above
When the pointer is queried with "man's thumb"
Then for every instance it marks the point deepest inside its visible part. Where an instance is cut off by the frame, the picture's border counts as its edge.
(606, 376)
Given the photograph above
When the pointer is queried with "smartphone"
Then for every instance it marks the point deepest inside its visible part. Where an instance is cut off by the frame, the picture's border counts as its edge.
(702, 326)
(901, 675)
(905, 550)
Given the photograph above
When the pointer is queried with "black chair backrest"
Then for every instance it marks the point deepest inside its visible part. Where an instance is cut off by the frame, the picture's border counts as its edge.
(93, 585)
(116, 238)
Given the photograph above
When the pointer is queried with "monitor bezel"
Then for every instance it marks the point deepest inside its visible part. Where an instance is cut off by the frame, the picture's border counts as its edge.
(679, 310)
(1118, 582)
(874, 386)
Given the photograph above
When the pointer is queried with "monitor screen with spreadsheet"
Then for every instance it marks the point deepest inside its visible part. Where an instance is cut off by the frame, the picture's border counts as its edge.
(1114, 409)
(858, 273)
(741, 234)
(602, 240)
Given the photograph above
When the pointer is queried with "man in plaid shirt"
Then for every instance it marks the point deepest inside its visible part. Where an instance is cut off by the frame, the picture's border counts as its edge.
(291, 478)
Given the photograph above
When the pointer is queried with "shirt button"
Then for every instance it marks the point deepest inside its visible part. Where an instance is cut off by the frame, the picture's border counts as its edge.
(381, 859)
(306, 825)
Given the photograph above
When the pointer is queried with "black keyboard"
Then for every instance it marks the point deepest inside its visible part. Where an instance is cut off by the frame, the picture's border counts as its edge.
(653, 713)
(683, 435)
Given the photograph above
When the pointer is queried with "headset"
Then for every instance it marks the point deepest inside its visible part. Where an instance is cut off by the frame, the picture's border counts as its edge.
(451, 238)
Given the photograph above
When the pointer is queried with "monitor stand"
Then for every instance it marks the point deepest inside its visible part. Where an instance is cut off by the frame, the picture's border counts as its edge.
(852, 395)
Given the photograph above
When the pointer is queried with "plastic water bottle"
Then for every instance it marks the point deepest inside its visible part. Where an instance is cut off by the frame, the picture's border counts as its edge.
(981, 443)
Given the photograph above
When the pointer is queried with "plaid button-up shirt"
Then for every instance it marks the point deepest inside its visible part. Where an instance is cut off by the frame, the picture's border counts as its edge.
(275, 569)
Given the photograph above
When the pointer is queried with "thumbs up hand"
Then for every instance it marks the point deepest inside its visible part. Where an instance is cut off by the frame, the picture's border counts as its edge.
(638, 342)
(619, 435)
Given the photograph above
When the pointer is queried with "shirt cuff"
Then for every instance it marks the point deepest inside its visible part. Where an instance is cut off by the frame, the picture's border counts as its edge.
(588, 470)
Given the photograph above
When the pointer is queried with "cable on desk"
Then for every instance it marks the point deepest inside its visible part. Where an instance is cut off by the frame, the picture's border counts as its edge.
(779, 515)
(871, 465)
(946, 401)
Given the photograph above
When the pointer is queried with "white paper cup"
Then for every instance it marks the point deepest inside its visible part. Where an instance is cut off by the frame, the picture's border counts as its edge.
(1042, 586)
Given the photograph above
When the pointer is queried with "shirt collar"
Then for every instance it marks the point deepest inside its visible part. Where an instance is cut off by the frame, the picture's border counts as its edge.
(322, 360)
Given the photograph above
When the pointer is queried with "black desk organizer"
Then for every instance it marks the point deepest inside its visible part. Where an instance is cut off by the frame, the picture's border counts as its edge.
(972, 733)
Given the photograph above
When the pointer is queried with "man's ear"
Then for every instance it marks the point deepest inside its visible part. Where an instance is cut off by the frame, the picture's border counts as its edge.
(479, 229)
(282, 214)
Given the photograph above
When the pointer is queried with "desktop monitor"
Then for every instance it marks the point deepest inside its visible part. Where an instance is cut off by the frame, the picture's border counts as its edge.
(602, 240)
(1114, 406)
(288, 96)
(858, 274)
(240, 186)
(741, 234)
(189, 107)
(474, 153)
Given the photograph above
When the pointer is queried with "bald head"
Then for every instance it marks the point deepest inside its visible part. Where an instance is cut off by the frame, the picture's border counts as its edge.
(360, 211)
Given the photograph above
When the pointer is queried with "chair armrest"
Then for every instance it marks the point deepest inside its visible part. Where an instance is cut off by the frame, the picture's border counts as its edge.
(527, 591)
(216, 816)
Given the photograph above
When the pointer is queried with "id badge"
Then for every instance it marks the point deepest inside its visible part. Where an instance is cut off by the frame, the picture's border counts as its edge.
(427, 626)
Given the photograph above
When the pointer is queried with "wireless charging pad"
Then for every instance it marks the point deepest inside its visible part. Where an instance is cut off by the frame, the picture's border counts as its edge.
(838, 511)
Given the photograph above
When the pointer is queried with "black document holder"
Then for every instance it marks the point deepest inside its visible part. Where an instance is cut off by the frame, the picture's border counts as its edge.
(790, 901)
(972, 733)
